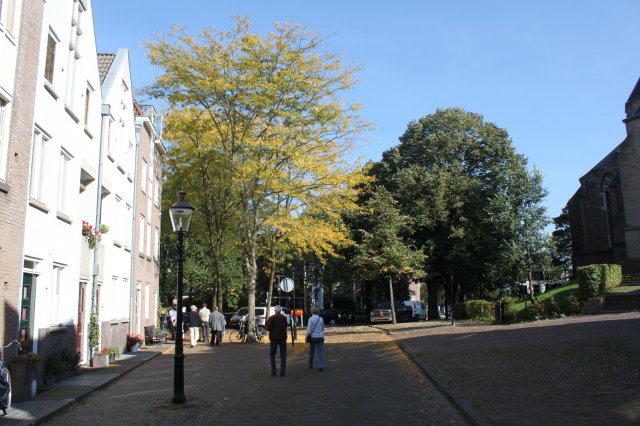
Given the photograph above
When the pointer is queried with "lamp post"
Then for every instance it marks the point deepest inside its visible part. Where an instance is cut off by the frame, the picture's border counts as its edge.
(180, 214)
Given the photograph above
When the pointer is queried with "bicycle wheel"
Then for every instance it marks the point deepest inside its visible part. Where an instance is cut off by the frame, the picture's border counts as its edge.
(259, 332)
(236, 336)
(5, 398)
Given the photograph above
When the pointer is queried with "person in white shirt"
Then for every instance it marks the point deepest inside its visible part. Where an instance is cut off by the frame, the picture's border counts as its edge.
(315, 332)
(204, 320)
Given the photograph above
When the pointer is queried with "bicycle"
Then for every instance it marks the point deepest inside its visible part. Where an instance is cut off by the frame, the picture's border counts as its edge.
(240, 335)
(5, 380)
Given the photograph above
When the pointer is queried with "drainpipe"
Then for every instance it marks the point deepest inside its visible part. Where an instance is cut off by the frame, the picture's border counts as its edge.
(133, 228)
(105, 112)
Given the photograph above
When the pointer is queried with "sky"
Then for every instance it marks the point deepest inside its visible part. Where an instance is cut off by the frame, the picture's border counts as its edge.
(554, 74)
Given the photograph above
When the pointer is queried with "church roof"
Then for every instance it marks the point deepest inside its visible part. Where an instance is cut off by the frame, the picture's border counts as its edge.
(635, 94)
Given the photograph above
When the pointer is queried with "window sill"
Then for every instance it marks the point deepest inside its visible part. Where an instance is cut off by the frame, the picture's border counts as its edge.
(88, 132)
(4, 187)
(63, 217)
(127, 248)
(72, 114)
(120, 168)
(51, 90)
(117, 243)
(38, 205)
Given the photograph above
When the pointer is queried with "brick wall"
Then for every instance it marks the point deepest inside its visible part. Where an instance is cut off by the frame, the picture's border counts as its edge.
(13, 196)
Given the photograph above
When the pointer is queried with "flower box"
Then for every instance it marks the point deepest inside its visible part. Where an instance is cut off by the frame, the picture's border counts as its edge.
(100, 361)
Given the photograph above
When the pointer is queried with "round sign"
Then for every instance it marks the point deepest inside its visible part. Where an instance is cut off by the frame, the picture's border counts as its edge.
(286, 285)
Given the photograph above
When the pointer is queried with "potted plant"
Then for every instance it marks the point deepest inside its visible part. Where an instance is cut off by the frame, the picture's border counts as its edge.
(134, 341)
(113, 352)
(24, 376)
(101, 359)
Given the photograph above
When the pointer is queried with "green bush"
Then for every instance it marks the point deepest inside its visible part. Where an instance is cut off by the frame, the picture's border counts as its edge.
(480, 310)
(573, 305)
(597, 279)
(510, 310)
(551, 308)
(460, 311)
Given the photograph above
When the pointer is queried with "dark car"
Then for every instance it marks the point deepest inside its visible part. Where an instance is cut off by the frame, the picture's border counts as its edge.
(331, 316)
(382, 313)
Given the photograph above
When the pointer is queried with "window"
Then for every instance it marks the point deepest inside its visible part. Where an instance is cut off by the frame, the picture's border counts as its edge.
(87, 104)
(56, 283)
(156, 186)
(141, 230)
(156, 249)
(38, 161)
(4, 136)
(8, 13)
(146, 301)
(63, 186)
(147, 249)
(50, 59)
(143, 176)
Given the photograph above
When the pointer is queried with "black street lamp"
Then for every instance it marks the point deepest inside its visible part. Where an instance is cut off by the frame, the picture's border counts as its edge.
(180, 214)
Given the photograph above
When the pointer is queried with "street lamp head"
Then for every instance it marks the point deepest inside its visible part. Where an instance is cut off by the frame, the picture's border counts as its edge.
(181, 213)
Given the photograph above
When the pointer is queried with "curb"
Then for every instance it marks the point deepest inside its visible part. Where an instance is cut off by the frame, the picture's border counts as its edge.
(53, 409)
(451, 394)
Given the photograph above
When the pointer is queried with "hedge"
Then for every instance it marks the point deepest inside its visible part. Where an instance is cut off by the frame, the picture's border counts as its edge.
(597, 279)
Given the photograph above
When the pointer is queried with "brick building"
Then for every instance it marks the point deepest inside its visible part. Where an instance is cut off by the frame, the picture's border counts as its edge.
(604, 213)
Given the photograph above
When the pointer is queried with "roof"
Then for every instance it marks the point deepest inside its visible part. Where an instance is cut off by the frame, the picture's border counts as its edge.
(635, 94)
(105, 60)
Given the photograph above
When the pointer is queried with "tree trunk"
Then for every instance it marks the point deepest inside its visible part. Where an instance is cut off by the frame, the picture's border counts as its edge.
(393, 309)
(432, 299)
(252, 273)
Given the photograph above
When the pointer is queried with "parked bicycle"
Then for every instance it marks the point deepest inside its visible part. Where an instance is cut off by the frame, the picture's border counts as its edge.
(241, 334)
(5, 380)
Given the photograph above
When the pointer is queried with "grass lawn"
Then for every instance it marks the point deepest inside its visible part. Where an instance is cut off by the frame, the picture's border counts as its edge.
(559, 293)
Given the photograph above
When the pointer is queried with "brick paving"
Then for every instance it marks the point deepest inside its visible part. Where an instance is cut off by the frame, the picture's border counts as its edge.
(362, 382)
(582, 370)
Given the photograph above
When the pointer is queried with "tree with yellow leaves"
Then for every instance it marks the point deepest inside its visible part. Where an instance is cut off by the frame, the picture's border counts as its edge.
(267, 110)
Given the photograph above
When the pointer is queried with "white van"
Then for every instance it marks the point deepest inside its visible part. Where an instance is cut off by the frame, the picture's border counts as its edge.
(419, 310)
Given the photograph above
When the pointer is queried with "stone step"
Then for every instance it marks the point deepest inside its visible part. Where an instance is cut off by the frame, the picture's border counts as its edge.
(621, 302)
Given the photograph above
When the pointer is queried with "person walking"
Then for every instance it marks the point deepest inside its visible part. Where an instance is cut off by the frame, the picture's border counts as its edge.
(173, 318)
(315, 333)
(277, 326)
(204, 320)
(194, 325)
(217, 326)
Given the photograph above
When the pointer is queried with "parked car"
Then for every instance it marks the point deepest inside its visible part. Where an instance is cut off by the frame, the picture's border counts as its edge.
(260, 314)
(419, 311)
(382, 313)
(331, 316)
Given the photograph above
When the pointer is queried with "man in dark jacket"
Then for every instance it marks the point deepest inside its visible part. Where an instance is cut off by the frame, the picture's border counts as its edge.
(277, 326)
(193, 319)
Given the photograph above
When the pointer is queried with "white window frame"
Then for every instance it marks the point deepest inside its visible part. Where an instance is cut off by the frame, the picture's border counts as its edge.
(64, 162)
(57, 278)
(143, 176)
(141, 231)
(156, 254)
(5, 117)
(50, 57)
(8, 14)
(38, 163)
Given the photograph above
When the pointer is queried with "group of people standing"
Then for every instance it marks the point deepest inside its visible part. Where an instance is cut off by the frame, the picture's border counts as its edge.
(277, 326)
(204, 320)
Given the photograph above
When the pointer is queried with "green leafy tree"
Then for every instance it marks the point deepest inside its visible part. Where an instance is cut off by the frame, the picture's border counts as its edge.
(384, 249)
(470, 195)
(267, 109)
(562, 241)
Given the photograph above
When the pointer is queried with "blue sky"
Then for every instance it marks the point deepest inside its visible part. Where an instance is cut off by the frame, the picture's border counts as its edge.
(554, 74)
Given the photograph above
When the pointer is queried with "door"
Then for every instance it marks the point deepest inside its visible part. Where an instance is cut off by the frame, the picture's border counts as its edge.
(82, 291)
(26, 311)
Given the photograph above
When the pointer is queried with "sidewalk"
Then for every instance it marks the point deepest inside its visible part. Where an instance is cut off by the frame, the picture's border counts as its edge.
(52, 399)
